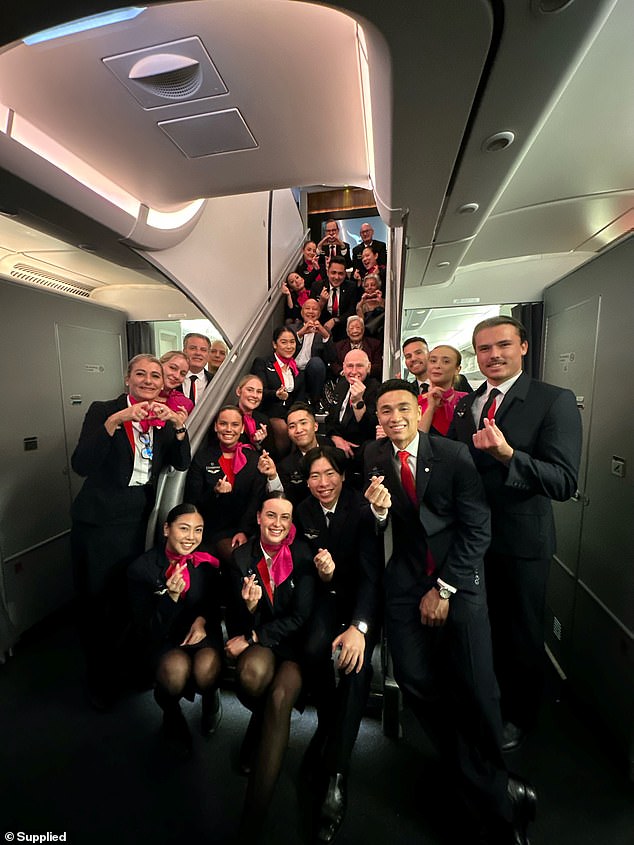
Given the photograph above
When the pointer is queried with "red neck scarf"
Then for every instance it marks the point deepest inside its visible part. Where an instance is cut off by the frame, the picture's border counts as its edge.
(288, 362)
(250, 425)
(302, 296)
(282, 559)
(238, 459)
(148, 422)
(195, 557)
(443, 414)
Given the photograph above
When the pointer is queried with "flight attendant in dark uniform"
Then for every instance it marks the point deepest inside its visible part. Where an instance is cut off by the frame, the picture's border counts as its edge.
(283, 385)
(339, 527)
(123, 445)
(175, 598)
(273, 589)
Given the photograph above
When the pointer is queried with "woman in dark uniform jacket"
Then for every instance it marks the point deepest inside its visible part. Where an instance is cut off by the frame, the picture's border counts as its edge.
(312, 267)
(249, 392)
(123, 446)
(175, 599)
(283, 385)
(273, 587)
(225, 485)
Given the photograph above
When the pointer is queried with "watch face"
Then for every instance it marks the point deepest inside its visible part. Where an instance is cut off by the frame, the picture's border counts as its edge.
(363, 627)
(444, 592)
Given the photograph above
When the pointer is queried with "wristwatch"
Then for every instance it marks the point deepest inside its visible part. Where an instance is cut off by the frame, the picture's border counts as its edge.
(360, 625)
(360, 404)
(443, 592)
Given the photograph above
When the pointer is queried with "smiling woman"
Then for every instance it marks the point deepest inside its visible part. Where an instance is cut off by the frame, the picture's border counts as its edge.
(123, 445)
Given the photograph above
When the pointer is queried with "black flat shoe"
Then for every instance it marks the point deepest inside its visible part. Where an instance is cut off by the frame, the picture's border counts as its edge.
(333, 809)
(512, 737)
(523, 800)
(211, 714)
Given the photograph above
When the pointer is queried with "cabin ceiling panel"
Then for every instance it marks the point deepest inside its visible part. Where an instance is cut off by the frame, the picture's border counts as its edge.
(556, 227)
(259, 49)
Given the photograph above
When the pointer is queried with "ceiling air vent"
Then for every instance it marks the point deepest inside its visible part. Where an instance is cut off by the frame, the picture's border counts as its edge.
(42, 279)
(177, 72)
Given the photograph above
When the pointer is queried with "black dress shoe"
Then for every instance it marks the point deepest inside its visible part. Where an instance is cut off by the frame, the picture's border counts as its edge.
(523, 800)
(211, 714)
(333, 809)
(512, 737)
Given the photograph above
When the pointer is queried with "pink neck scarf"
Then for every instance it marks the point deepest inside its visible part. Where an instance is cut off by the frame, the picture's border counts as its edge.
(282, 564)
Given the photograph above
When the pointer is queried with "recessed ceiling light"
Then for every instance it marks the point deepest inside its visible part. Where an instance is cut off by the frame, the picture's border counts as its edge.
(468, 208)
(443, 264)
(497, 142)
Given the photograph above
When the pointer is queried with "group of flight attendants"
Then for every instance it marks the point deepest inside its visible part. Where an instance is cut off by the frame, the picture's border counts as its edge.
(281, 533)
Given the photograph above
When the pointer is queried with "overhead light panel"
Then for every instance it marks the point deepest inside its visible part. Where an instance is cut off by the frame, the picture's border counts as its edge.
(84, 24)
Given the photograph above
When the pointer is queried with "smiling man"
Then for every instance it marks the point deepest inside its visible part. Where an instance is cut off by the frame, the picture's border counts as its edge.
(428, 492)
(196, 347)
(525, 438)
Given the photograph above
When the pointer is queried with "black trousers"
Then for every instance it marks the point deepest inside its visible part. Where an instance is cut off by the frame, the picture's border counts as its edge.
(340, 699)
(516, 594)
(446, 676)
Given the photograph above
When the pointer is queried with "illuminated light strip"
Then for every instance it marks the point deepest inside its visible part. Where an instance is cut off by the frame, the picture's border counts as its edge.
(41, 144)
(84, 24)
(29, 136)
(173, 219)
(367, 102)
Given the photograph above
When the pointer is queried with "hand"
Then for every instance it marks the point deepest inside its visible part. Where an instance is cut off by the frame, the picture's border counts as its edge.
(433, 609)
(434, 397)
(251, 592)
(282, 393)
(284, 289)
(196, 633)
(323, 296)
(223, 485)
(238, 539)
(176, 583)
(325, 564)
(490, 439)
(357, 390)
(260, 433)
(346, 446)
(378, 495)
(235, 646)
(162, 412)
(352, 644)
(266, 465)
(379, 432)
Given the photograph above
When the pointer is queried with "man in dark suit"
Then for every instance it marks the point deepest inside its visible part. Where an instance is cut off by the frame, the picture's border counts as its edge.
(427, 493)
(339, 527)
(525, 438)
(338, 299)
(351, 420)
(331, 245)
(315, 350)
(367, 239)
(355, 329)
(288, 475)
(196, 348)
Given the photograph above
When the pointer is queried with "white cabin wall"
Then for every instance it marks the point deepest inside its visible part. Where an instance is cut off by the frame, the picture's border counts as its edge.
(223, 264)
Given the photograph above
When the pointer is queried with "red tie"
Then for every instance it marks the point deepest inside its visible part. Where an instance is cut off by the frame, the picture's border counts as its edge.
(488, 412)
(407, 478)
(409, 485)
(266, 578)
(335, 304)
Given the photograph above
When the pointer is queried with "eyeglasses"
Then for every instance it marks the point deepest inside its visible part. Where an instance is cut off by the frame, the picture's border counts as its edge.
(146, 442)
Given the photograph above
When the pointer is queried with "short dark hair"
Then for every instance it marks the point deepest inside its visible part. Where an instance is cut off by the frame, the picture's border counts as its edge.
(500, 320)
(300, 406)
(280, 330)
(180, 510)
(274, 494)
(414, 340)
(397, 384)
(228, 407)
(335, 457)
(196, 334)
(337, 259)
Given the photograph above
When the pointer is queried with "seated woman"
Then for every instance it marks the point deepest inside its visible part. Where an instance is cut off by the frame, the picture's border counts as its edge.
(312, 267)
(295, 293)
(249, 392)
(371, 306)
(175, 368)
(123, 445)
(439, 403)
(371, 266)
(283, 385)
(225, 485)
(175, 598)
(273, 588)
(316, 350)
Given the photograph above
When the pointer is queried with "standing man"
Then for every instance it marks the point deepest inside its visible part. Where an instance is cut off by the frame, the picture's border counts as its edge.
(196, 347)
(427, 492)
(415, 352)
(525, 438)
(338, 299)
(331, 244)
(367, 239)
